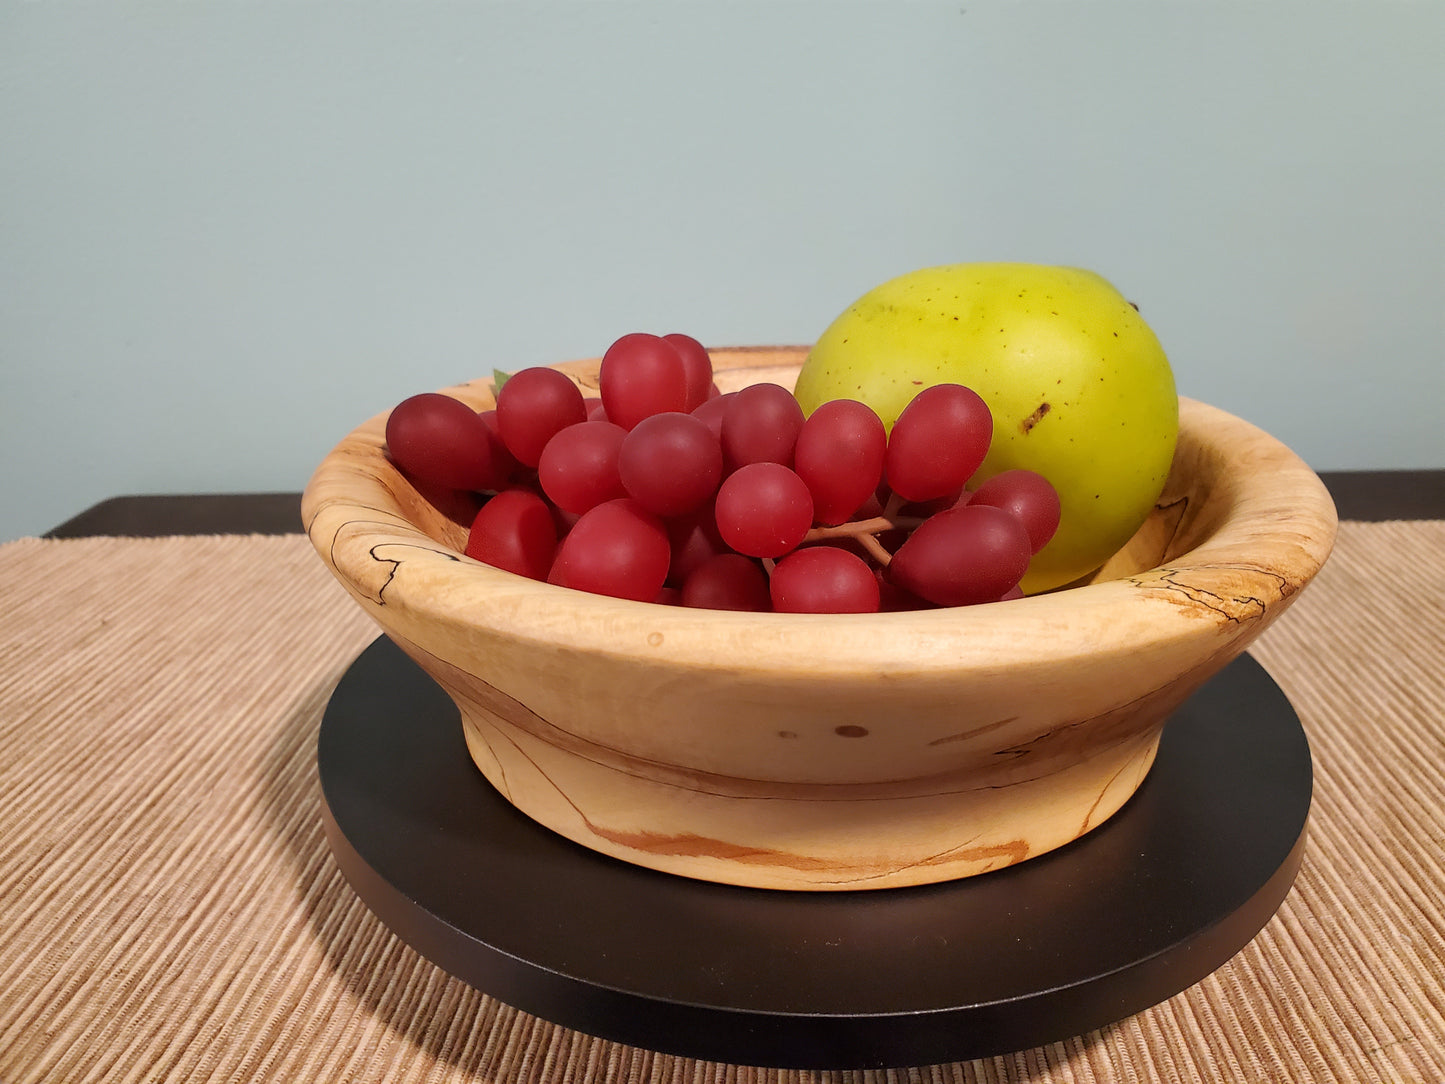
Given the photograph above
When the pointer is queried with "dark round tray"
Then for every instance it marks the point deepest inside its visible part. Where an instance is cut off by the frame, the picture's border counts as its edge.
(1162, 894)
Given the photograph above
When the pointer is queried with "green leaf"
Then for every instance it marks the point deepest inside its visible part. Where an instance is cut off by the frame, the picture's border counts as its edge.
(498, 379)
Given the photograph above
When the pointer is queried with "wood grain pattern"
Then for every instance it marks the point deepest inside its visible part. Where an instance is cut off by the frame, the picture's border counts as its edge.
(823, 751)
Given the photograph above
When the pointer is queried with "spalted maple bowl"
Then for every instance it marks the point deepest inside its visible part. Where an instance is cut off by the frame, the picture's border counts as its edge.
(821, 752)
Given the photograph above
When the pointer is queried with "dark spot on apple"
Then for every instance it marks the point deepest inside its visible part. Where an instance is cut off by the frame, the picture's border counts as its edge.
(1033, 419)
(851, 731)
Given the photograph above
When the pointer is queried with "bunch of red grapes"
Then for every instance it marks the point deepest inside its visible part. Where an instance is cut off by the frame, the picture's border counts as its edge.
(665, 490)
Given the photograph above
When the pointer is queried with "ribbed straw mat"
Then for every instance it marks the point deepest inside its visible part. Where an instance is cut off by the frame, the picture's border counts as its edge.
(169, 910)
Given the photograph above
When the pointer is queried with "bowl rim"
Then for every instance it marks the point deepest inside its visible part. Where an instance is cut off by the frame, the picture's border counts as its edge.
(1280, 506)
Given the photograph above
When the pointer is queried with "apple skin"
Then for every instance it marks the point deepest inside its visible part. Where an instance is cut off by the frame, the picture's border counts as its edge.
(1079, 386)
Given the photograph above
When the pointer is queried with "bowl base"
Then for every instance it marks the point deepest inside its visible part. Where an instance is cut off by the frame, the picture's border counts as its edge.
(845, 839)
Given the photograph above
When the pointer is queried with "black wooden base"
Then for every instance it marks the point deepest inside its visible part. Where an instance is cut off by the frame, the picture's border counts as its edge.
(1148, 904)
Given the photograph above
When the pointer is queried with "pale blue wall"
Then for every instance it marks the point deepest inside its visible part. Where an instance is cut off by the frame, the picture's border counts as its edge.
(229, 232)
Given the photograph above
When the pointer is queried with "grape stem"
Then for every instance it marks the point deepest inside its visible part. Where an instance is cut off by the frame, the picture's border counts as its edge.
(866, 531)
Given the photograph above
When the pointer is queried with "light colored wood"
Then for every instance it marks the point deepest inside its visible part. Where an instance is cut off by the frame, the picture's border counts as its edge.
(830, 751)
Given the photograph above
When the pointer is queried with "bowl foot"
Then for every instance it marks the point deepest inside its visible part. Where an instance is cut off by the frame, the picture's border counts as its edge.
(817, 838)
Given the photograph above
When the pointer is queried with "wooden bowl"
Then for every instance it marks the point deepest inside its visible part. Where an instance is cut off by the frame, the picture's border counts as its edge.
(830, 751)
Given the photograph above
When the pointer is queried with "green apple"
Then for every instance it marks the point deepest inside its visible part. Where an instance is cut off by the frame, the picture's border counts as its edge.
(1079, 387)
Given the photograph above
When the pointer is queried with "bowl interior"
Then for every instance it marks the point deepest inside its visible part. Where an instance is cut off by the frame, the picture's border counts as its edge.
(1241, 518)
(1202, 492)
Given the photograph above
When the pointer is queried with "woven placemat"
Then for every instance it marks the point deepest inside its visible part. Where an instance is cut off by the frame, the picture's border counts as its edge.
(169, 910)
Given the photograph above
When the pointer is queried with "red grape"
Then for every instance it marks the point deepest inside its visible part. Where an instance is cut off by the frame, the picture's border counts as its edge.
(641, 375)
(763, 510)
(695, 539)
(1027, 495)
(514, 531)
(824, 580)
(937, 442)
(698, 365)
(506, 462)
(895, 599)
(564, 519)
(578, 469)
(871, 507)
(443, 441)
(618, 548)
(533, 406)
(963, 556)
(924, 509)
(839, 454)
(670, 463)
(664, 489)
(728, 581)
(712, 410)
(761, 425)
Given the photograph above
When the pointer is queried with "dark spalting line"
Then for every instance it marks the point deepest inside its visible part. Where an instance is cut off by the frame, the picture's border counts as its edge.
(1117, 717)
(1011, 851)
(491, 701)
(693, 845)
(324, 505)
(1173, 513)
(379, 597)
(503, 785)
(964, 735)
(663, 773)
(679, 844)
(1252, 606)
(390, 524)
(1170, 697)
(592, 826)
(360, 523)
(1089, 816)
(1246, 608)
(392, 564)
(397, 562)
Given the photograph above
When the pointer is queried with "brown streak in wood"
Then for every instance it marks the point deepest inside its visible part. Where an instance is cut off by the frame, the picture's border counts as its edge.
(964, 735)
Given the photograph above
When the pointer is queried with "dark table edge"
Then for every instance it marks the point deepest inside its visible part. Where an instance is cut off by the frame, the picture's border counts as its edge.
(1371, 496)
(153, 516)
